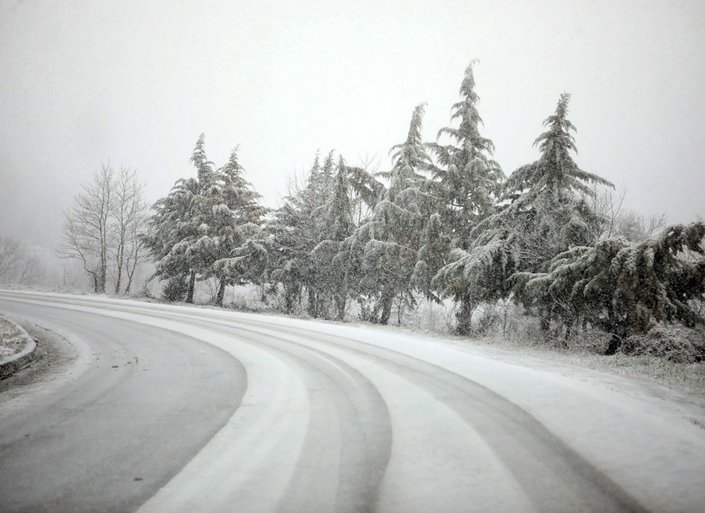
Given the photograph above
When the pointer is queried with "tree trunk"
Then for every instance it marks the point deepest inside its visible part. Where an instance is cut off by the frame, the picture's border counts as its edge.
(103, 270)
(118, 280)
(464, 315)
(100, 280)
(568, 330)
(130, 275)
(340, 306)
(289, 298)
(544, 322)
(620, 332)
(221, 292)
(614, 345)
(618, 328)
(119, 263)
(312, 303)
(386, 310)
(191, 287)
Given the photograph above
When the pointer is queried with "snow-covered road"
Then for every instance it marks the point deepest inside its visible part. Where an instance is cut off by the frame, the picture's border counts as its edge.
(224, 411)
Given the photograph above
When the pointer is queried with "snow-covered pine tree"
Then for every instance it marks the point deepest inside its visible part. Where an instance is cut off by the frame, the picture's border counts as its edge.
(170, 230)
(330, 256)
(391, 236)
(544, 211)
(626, 288)
(287, 247)
(230, 217)
(431, 257)
(183, 210)
(324, 185)
(469, 178)
(204, 167)
(293, 232)
(467, 182)
(203, 220)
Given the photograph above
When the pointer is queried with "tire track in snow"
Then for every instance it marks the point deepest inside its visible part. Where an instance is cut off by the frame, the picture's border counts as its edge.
(552, 475)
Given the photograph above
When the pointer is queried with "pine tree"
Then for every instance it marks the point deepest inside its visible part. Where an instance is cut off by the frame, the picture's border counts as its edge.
(545, 210)
(392, 234)
(469, 177)
(204, 167)
(187, 197)
(170, 231)
(201, 221)
(325, 182)
(466, 188)
(330, 256)
(230, 216)
(288, 250)
(293, 232)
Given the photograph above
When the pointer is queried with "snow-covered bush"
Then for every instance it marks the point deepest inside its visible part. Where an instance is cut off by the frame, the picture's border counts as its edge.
(625, 288)
(175, 288)
(671, 342)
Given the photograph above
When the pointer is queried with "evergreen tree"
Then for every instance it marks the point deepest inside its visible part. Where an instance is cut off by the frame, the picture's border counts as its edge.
(201, 221)
(545, 210)
(625, 288)
(186, 212)
(230, 216)
(288, 250)
(325, 183)
(392, 234)
(293, 232)
(170, 231)
(464, 193)
(330, 255)
(204, 167)
(469, 179)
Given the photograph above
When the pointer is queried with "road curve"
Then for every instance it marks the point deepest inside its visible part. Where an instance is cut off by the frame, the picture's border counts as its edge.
(219, 411)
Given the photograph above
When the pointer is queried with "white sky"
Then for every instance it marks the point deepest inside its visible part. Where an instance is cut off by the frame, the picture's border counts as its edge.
(135, 83)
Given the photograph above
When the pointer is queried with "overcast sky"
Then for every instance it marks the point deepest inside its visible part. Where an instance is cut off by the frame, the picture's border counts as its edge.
(135, 83)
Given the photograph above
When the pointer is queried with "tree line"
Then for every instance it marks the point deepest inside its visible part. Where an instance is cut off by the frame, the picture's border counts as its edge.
(443, 222)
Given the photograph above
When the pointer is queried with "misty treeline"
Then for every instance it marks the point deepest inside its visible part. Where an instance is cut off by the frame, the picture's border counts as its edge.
(443, 223)
(18, 264)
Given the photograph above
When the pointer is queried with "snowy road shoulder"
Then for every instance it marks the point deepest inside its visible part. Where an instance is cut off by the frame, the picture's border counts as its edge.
(17, 348)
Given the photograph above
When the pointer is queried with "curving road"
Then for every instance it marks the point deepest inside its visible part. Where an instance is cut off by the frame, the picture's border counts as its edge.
(172, 408)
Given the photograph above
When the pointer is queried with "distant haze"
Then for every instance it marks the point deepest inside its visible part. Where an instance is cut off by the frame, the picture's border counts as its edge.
(135, 83)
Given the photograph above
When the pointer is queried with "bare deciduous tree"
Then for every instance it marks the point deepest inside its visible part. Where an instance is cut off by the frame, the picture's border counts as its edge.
(638, 227)
(18, 264)
(128, 212)
(10, 257)
(608, 203)
(86, 229)
(618, 221)
(101, 227)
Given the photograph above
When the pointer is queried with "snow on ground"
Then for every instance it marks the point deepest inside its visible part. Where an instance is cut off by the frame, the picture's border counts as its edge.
(642, 434)
(12, 340)
(647, 438)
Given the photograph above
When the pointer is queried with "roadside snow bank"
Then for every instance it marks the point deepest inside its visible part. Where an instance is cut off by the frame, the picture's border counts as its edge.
(16, 348)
